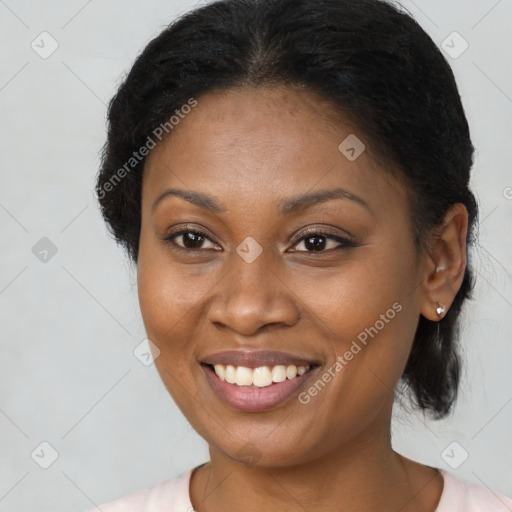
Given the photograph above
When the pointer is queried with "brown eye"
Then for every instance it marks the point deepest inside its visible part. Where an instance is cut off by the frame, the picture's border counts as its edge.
(320, 241)
(190, 239)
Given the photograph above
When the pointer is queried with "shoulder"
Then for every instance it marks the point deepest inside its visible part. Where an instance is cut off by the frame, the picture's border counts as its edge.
(170, 496)
(462, 496)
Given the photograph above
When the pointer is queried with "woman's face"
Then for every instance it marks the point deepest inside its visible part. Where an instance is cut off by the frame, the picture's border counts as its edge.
(276, 279)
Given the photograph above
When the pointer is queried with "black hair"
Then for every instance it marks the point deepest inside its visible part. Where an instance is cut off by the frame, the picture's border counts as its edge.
(372, 61)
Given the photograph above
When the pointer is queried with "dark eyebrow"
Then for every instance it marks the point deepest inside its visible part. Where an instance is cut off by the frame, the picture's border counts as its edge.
(299, 203)
(286, 206)
(202, 200)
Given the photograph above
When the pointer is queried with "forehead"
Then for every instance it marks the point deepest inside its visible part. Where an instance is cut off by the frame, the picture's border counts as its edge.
(257, 144)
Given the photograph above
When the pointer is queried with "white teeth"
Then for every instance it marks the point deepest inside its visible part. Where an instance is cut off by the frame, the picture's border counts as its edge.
(291, 371)
(279, 373)
(220, 371)
(243, 376)
(230, 374)
(261, 377)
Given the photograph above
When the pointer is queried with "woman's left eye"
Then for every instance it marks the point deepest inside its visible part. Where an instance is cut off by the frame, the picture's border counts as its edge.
(318, 241)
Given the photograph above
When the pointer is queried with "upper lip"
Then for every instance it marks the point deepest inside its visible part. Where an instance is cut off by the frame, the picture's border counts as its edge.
(256, 358)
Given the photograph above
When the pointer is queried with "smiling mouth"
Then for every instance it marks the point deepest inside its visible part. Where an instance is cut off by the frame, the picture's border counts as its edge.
(257, 380)
(257, 389)
(261, 376)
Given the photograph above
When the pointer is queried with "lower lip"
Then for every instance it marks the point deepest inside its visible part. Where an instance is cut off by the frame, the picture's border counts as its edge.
(253, 398)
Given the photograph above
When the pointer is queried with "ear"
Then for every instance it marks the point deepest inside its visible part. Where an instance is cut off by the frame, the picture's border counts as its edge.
(445, 264)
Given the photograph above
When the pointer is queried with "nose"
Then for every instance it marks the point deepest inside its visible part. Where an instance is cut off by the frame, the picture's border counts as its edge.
(253, 296)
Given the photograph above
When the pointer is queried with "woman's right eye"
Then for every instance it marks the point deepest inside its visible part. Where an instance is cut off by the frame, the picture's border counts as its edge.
(191, 240)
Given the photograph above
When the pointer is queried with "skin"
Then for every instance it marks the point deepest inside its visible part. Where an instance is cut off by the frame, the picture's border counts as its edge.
(251, 148)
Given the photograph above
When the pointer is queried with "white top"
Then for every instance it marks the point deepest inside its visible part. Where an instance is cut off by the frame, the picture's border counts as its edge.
(173, 496)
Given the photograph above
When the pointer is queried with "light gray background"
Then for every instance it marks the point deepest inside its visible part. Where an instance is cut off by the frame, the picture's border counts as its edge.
(69, 326)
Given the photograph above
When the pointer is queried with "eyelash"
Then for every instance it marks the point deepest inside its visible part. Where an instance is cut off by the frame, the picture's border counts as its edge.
(318, 232)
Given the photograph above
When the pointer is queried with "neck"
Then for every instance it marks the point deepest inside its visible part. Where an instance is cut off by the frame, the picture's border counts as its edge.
(365, 474)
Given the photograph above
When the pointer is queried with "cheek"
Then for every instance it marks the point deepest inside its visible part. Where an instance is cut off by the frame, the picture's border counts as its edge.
(163, 298)
(171, 297)
(167, 300)
(359, 296)
(369, 316)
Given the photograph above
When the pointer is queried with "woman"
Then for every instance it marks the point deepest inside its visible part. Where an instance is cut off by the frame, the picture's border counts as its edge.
(291, 179)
